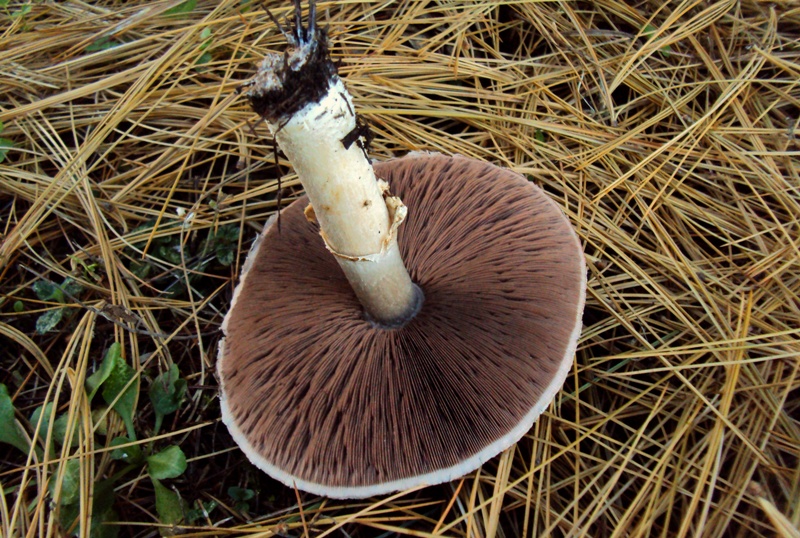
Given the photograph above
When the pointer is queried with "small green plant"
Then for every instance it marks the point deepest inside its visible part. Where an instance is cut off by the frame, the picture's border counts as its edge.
(88, 269)
(60, 425)
(169, 463)
(217, 246)
(224, 242)
(241, 496)
(10, 431)
(118, 385)
(162, 248)
(47, 291)
(204, 58)
(70, 483)
(166, 394)
(21, 12)
(202, 510)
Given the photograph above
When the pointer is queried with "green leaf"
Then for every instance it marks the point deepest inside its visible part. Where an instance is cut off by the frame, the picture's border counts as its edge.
(70, 484)
(169, 463)
(225, 242)
(167, 393)
(649, 31)
(240, 494)
(47, 321)
(169, 253)
(225, 256)
(100, 420)
(169, 506)
(18, 305)
(103, 499)
(47, 411)
(10, 430)
(70, 286)
(183, 7)
(5, 145)
(68, 517)
(120, 390)
(102, 511)
(24, 10)
(47, 291)
(203, 510)
(60, 431)
(204, 58)
(129, 454)
(100, 529)
(228, 234)
(17, 378)
(94, 381)
(104, 43)
(539, 135)
(140, 269)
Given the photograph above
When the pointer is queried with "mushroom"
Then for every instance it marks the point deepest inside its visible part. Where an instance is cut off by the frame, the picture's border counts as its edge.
(337, 376)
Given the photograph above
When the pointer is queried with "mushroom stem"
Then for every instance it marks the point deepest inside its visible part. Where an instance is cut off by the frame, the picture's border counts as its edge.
(311, 114)
(349, 205)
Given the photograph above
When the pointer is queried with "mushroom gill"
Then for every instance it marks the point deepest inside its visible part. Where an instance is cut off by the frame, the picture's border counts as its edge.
(321, 398)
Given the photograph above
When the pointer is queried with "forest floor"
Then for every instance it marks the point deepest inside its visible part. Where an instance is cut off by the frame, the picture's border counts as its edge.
(132, 186)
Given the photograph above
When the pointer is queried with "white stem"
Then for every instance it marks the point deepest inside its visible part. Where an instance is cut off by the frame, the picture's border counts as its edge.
(349, 204)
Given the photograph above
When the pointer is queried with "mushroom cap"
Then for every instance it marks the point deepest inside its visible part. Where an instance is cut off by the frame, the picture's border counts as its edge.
(322, 399)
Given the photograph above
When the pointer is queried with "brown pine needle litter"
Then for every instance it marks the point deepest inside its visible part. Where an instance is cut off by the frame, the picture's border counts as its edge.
(131, 188)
